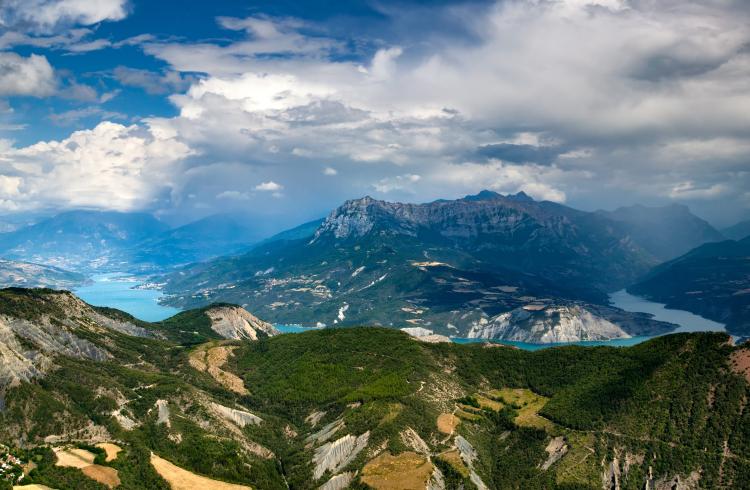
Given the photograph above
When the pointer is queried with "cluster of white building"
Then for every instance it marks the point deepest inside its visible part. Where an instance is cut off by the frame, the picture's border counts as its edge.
(9, 463)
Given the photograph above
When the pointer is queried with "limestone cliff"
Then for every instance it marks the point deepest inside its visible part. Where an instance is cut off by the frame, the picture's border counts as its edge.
(548, 324)
(234, 322)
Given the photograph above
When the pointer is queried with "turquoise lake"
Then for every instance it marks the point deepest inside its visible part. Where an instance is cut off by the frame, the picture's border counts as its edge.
(116, 291)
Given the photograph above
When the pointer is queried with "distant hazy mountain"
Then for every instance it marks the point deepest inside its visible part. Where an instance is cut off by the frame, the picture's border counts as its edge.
(665, 232)
(305, 230)
(96, 241)
(80, 240)
(25, 274)
(738, 231)
(209, 237)
(446, 265)
(712, 280)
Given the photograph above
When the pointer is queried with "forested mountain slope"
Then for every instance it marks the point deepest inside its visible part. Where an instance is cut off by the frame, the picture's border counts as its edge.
(712, 280)
(364, 406)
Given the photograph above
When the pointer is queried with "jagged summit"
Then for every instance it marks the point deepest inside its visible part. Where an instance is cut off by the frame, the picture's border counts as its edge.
(488, 195)
(483, 195)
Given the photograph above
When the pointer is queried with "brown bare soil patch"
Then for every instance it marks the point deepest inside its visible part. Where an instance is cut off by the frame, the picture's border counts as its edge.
(112, 450)
(211, 360)
(33, 486)
(103, 474)
(73, 457)
(180, 479)
(84, 461)
(406, 471)
(447, 423)
(739, 361)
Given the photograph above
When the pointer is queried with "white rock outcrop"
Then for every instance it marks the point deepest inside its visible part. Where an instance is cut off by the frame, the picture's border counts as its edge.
(234, 322)
(411, 439)
(162, 417)
(469, 455)
(556, 449)
(27, 348)
(240, 418)
(437, 480)
(334, 456)
(339, 482)
(425, 335)
(326, 432)
(548, 324)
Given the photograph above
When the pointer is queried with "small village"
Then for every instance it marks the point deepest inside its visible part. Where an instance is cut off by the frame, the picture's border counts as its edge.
(11, 467)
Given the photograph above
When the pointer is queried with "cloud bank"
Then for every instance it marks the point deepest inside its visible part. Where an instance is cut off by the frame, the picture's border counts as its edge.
(593, 102)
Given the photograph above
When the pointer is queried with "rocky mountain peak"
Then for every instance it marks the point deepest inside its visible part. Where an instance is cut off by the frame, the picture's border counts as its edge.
(484, 195)
(520, 197)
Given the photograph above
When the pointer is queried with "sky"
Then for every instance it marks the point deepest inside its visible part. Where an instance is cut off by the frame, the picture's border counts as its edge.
(282, 110)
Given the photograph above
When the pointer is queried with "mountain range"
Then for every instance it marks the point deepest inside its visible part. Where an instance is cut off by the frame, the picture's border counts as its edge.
(457, 267)
(213, 398)
(453, 266)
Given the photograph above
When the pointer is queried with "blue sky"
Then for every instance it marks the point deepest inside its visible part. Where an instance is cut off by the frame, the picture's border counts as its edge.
(281, 110)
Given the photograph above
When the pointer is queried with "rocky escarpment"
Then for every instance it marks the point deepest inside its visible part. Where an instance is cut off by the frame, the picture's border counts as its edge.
(38, 325)
(548, 324)
(27, 348)
(235, 322)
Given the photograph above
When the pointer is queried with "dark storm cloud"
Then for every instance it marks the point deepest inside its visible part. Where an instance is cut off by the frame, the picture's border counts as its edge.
(543, 155)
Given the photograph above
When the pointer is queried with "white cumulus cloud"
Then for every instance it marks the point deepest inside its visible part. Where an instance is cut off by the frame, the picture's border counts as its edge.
(46, 15)
(32, 75)
(269, 186)
(111, 166)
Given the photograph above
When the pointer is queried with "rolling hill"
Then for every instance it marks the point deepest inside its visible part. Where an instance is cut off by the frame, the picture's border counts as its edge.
(94, 398)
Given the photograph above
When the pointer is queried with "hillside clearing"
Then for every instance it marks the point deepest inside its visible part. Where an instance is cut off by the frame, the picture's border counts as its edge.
(211, 360)
(528, 404)
(447, 423)
(180, 479)
(103, 474)
(74, 457)
(112, 450)
(84, 461)
(406, 471)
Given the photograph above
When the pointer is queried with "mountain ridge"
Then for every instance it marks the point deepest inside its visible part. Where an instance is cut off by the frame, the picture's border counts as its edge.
(444, 265)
